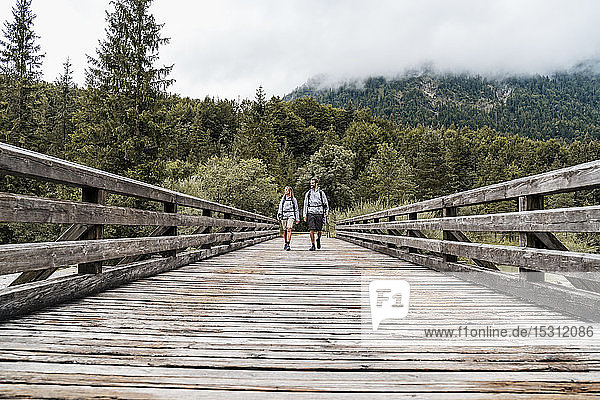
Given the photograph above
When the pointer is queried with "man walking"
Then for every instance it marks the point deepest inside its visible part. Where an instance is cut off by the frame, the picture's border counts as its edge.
(315, 210)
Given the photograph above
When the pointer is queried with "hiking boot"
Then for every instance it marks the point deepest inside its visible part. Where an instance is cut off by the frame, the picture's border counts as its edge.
(288, 248)
(318, 243)
(285, 246)
(312, 248)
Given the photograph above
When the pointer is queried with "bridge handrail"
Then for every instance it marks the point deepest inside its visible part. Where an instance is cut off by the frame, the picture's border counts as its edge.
(582, 176)
(539, 250)
(31, 209)
(27, 163)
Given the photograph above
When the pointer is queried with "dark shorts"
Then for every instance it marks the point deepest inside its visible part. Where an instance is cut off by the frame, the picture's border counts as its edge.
(315, 222)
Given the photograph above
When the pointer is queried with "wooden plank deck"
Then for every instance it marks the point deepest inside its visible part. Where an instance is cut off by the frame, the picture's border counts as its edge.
(260, 320)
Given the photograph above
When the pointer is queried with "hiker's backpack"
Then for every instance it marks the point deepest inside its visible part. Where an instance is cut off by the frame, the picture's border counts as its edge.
(293, 205)
(322, 204)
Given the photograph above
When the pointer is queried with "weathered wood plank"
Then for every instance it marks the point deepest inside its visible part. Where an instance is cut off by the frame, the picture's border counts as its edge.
(551, 383)
(290, 361)
(21, 162)
(73, 232)
(158, 231)
(129, 344)
(94, 232)
(451, 234)
(28, 297)
(528, 239)
(575, 219)
(33, 256)
(461, 237)
(21, 208)
(48, 391)
(566, 263)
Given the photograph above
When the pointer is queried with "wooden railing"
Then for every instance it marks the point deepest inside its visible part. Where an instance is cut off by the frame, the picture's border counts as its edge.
(218, 230)
(399, 232)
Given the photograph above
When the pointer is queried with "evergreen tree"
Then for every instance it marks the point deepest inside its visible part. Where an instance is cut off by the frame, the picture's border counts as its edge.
(564, 104)
(290, 130)
(260, 102)
(460, 160)
(187, 139)
(389, 177)
(125, 59)
(428, 163)
(122, 113)
(21, 64)
(254, 139)
(65, 105)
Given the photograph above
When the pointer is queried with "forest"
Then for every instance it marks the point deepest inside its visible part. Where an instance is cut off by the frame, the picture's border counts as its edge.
(565, 104)
(242, 153)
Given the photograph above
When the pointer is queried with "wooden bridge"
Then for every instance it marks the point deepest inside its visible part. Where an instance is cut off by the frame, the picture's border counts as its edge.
(180, 314)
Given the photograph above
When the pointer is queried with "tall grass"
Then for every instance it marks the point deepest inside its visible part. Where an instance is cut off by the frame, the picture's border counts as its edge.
(360, 208)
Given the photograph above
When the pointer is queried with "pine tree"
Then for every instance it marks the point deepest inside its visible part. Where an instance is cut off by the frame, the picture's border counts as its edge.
(125, 59)
(260, 102)
(126, 91)
(21, 64)
(66, 94)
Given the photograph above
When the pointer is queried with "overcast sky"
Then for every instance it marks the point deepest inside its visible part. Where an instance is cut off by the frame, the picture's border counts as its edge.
(226, 48)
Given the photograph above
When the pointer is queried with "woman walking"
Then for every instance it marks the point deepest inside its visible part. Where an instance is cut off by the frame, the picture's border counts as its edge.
(288, 213)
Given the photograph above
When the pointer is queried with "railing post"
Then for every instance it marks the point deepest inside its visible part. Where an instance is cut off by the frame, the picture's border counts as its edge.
(254, 228)
(411, 233)
(249, 228)
(528, 203)
(206, 213)
(227, 229)
(98, 196)
(392, 231)
(447, 235)
(172, 230)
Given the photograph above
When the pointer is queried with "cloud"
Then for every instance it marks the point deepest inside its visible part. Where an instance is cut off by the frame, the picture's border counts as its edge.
(237, 45)
(228, 48)
(67, 28)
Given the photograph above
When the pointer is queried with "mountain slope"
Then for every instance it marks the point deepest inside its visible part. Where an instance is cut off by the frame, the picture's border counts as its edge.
(563, 105)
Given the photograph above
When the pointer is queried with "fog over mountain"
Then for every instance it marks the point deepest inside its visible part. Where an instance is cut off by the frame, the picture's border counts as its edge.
(564, 104)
